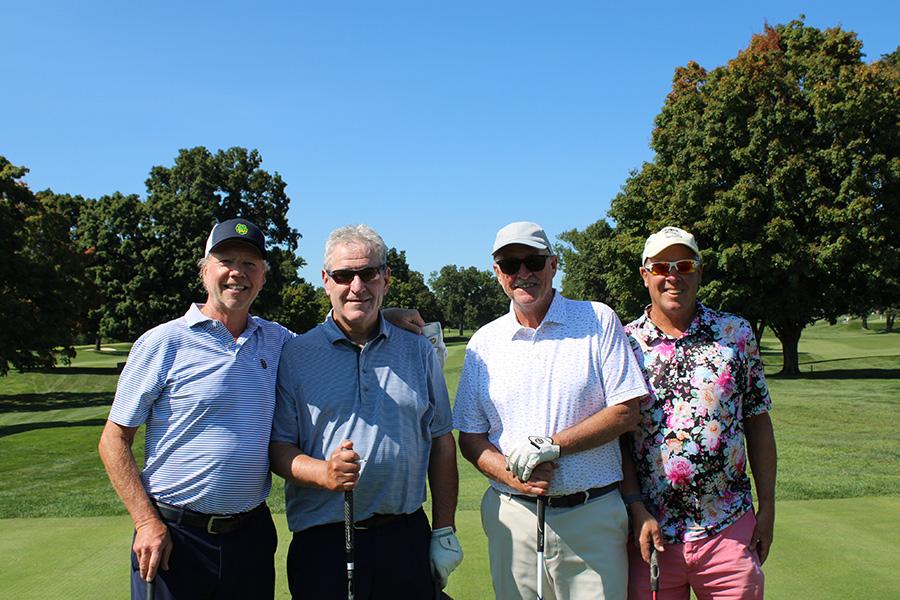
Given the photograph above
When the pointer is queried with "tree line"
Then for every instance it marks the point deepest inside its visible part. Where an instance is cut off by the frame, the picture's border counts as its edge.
(79, 270)
(784, 164)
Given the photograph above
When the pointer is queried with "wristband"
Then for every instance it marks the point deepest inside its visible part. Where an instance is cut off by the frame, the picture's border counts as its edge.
(632, 498)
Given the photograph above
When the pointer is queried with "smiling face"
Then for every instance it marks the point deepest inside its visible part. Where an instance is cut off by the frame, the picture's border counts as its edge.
(673, 296)
(233, 276)
(530, 291)
(355, 304)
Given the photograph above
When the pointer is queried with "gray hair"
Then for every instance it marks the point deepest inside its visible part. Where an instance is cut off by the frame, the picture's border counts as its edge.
(357, 235)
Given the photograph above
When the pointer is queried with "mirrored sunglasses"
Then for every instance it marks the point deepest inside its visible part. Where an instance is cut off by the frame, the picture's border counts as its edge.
(534, 263)
(662, 269)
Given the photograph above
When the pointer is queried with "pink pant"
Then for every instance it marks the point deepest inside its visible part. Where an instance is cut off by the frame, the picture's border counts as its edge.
(720, 567)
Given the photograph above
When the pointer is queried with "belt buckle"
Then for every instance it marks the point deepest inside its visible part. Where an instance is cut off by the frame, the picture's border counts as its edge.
(213, 519)
(587, 496)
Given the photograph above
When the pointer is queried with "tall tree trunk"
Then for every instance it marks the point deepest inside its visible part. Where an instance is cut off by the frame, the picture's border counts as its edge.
(789, 335)
(758, 326)
(97, 342)
(460, 329)
(889, 322)
(865, 321)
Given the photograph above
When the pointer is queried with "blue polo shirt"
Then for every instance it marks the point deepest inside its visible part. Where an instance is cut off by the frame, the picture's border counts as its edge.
(389, 398)
(207, 400)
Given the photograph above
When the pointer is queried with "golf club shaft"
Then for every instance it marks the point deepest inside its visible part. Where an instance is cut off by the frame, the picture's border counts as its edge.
(541, 506)
(151, 589)
(348, 541)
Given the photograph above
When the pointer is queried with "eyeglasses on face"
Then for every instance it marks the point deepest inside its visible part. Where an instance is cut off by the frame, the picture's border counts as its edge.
(534, 263)
(662, 269)
(345, 276)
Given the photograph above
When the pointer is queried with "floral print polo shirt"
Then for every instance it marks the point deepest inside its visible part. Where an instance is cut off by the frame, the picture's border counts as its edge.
(689, 448)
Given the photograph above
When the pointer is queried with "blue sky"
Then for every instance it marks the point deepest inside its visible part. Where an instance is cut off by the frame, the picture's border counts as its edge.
(435, 123)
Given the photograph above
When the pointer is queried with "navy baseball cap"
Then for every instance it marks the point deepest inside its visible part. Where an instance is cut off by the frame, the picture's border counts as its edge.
(236, 229)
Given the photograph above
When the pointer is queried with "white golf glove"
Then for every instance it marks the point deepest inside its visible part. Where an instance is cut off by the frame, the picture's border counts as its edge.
(538, 449)
(446, 553)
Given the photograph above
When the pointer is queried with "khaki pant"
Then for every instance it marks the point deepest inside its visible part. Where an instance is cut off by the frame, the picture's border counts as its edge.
(584, 548)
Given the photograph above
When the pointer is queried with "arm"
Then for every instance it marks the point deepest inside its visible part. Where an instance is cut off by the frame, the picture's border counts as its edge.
(339, 473)
(407, 318)
(643, 524)
(478, 450)
(152, 543)
(763, 463)
(443, 478)
(598, 429)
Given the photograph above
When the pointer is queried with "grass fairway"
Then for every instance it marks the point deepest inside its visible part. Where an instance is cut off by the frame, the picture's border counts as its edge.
(63, 533)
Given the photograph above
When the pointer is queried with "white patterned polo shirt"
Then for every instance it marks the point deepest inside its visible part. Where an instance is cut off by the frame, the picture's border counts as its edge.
(518, 381)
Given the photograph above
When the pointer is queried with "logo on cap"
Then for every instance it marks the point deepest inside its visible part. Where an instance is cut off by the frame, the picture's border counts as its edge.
(241, 229)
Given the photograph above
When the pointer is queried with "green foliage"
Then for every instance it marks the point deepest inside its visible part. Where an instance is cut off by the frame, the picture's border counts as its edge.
(468, 297)
(300, 309)
(408, 289)
(40, 269)
(785, 164)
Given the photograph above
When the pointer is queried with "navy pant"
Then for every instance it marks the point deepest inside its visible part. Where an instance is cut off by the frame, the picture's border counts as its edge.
(235, 565)
(391, 561)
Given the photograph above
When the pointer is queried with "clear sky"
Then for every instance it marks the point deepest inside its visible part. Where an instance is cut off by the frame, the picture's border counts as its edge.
(434, 122)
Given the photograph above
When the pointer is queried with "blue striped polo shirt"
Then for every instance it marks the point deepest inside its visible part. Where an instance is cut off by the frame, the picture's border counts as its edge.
(389, 398)
(207, 400)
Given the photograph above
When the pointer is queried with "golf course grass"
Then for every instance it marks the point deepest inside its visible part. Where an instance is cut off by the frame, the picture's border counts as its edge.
(63, 532)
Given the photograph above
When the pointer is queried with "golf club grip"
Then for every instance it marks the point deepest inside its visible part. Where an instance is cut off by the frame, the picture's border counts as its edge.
(654, 571)
(541, 507)
(151, 590)
(348, 540)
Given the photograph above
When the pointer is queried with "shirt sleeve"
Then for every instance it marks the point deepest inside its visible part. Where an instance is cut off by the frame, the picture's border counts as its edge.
(141, 381)
(285, 423)
(437, 387)
(622, 377)
(468, 414)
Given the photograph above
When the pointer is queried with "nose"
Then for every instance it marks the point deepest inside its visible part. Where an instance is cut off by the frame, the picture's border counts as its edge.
(357, 284)
(523, 272)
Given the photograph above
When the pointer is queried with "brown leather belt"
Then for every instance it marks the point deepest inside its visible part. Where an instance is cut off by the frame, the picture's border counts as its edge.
(575, 499)
(211, 523)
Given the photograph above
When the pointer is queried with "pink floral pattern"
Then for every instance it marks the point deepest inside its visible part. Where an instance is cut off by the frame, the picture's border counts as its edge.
(689, 449)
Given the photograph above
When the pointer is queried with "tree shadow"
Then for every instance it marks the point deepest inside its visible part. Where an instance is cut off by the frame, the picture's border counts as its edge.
(24, 427)
(816, 374)
(53, 401)
(78, 371)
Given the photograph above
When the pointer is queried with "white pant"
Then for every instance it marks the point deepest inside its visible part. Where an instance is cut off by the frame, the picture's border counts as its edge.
(584, 548)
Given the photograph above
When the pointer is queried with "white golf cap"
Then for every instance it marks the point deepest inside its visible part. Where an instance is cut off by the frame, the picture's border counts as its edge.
(665, 237)
(522, 232)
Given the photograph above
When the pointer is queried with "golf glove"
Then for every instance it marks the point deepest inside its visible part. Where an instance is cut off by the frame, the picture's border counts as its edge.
(446, 553)
(538, 449)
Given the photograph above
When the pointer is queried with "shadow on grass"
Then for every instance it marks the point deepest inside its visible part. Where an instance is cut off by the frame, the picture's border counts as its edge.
(816, 374)
(23, 427)
(78, 371)
(53, 401)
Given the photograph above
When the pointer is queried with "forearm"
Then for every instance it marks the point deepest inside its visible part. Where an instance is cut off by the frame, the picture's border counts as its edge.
(598, 429)
(443, 478)
(287, 461)
(478, 450)
(118, 459)
(763, 457)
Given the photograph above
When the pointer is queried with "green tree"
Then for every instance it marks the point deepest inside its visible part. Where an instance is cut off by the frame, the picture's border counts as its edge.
(468, 297)
(784, 163)
(408, 289)
(40, 289)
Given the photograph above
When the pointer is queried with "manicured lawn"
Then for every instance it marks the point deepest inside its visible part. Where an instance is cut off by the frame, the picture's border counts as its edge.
(838, 483)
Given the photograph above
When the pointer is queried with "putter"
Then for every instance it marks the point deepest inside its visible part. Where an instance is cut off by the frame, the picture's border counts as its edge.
(151, 589)
(654, 572)
(348, 541)
(541, 505)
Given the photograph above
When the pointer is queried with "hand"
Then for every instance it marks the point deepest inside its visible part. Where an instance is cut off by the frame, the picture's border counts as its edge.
(407, 318)
(342, 468)
(152, 546)
(761, 540)
(539, 482)
(647, 534)
(522, 460)
(446, 554)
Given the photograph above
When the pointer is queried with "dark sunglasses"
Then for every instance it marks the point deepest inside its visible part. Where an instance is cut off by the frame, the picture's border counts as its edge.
(345, 276)
(534, 263)
(662, 269)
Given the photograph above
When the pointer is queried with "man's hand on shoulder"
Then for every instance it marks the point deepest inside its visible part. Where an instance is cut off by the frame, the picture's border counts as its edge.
(407, 318)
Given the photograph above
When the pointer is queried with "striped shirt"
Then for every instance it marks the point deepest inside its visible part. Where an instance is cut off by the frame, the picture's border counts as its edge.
(389, 398)
(207, 400)
(517, 381)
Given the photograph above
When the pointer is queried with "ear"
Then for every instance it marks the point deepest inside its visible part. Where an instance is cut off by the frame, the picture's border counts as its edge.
(325, 281)
(387, 279)
(644, 276)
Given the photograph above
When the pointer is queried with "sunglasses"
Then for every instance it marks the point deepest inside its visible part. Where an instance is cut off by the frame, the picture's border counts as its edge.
(662, 269)
(345, 276)
(534, 263)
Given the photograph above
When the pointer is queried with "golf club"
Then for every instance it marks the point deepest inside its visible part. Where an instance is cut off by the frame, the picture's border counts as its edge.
(348, 540)
(654, 572)
(151, 589)
(541, 505)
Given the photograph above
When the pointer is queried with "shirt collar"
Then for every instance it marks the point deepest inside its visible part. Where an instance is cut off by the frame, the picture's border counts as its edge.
(194, 316)
(700, 325)
(556, 314)
(333, 333)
